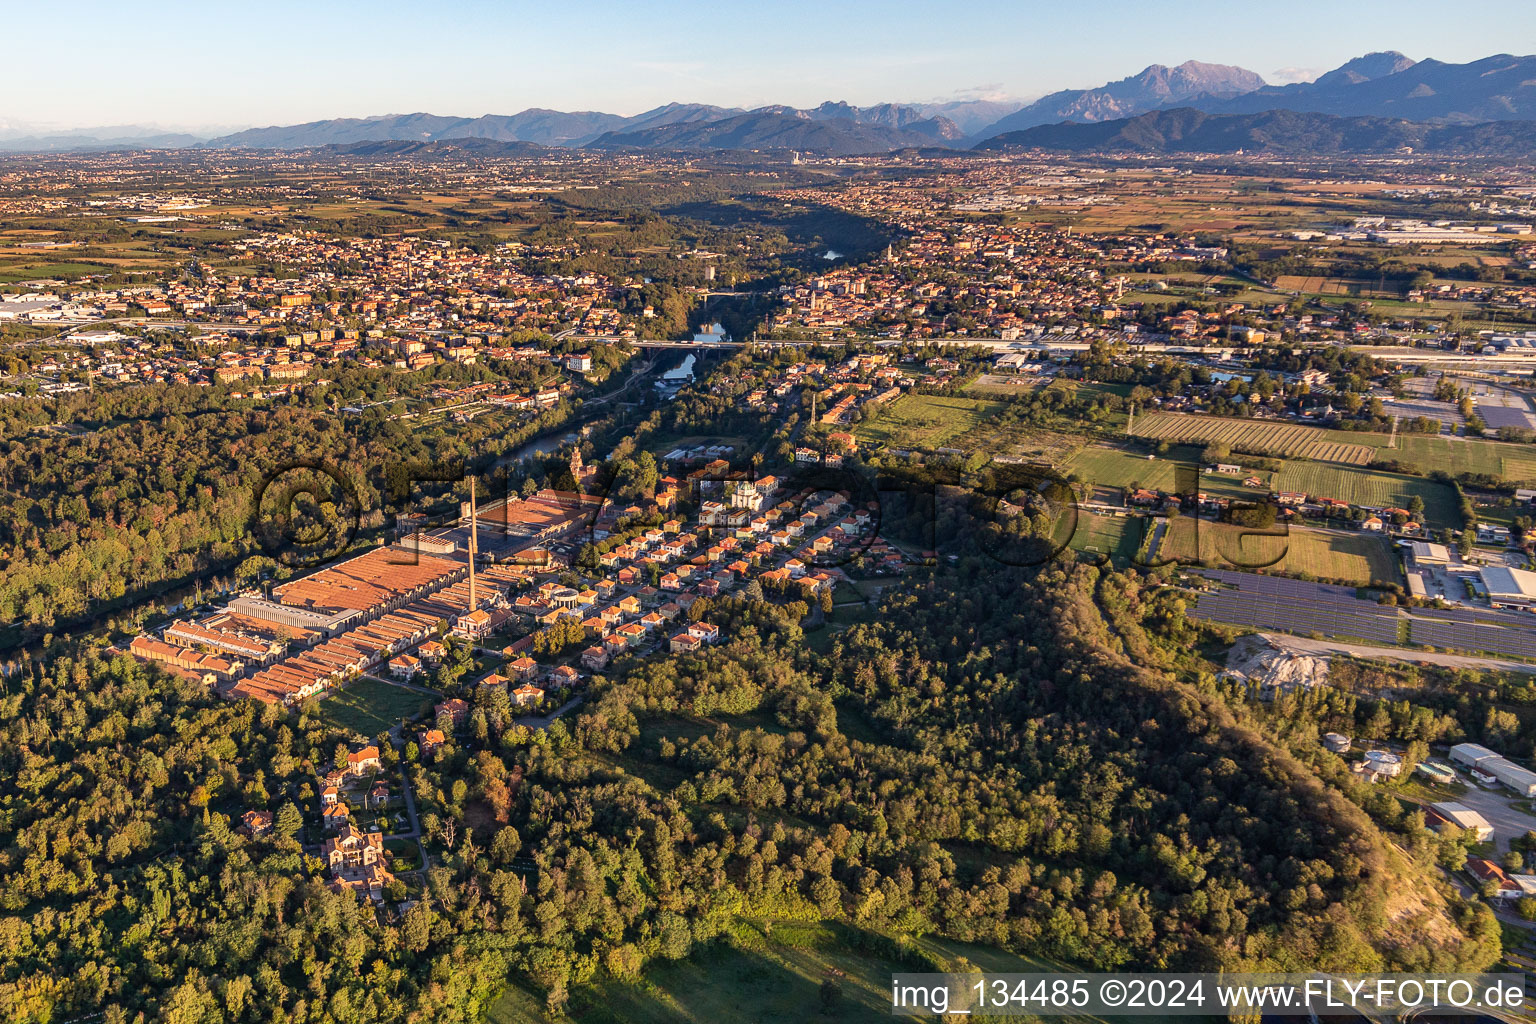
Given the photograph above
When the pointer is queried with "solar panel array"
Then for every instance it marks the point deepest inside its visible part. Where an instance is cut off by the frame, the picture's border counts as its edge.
(1279, 585)
(1468, 636)
(1497, 416)
(1484, 616)
(1293, 606)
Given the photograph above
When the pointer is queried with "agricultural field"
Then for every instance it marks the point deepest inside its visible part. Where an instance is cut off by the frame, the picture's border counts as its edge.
(12, 271)
(371, 706)
(1029, 444)
(1325, 554)
(1107, 466)
(1456, 455)
(1287, 440)
(1371, 488)
(926, 421)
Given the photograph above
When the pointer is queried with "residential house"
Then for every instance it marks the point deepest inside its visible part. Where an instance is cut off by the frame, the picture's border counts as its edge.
(256, 823)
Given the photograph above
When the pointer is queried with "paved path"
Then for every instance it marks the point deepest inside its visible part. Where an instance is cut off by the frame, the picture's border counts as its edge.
(410, 810)
(405, 686)
(1159, 527)
(544, 721)
(1306, 645)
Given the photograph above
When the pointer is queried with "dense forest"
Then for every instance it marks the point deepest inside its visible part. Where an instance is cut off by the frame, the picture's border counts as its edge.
(998, 756)
(152, 487)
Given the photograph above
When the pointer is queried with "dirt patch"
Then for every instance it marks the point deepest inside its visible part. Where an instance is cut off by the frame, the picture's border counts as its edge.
(1255, 660)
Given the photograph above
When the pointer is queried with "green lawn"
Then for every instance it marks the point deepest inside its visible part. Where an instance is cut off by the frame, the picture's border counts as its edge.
(925, 421)
(1118, 537)
(406, 855)
(369, 707)
(761, 975)
(1116, 467)
(1358, 558)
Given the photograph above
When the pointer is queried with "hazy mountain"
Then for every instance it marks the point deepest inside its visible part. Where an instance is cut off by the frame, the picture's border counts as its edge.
(1276, 132)
(969, 115)
(1383, 85)
(548, 127)
(888, 115)
(1502, 87)
(447, 148)
(1156, 86)
(85, 139)
(782, 128)
(545, 127)
(1361, 69)
(676, 113)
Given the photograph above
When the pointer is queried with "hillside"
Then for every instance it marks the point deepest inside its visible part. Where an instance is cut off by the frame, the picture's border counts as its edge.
(1275, 132)
(786, 130)
(1497, 88)
(545, 127)
(445, 148)
(1156, 86)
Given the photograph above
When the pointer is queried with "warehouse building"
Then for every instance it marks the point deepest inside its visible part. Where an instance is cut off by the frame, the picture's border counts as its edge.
(1453, 815)
(1487, 763)
(1510, 588)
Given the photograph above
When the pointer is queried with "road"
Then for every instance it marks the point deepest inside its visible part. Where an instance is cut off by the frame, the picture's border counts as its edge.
(1306, 645)
(1507, 821)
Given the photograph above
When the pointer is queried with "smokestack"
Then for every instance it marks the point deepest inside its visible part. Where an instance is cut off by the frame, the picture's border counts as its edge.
(474, 547)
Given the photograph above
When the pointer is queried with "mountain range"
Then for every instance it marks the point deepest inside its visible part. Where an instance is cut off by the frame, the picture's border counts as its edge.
(784, 128)
(1156, 86)
(1275, 132)
(1386, 86)
(1497, 88)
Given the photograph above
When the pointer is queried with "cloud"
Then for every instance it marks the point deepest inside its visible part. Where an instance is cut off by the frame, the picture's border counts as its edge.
(1289, 76)
(993, 91)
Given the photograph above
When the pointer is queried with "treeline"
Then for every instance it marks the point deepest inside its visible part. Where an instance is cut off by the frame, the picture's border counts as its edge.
(127, 894)
(997, 756)
(161, 491)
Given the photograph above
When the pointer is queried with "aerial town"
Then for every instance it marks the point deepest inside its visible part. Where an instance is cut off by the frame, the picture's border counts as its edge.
(712, 563)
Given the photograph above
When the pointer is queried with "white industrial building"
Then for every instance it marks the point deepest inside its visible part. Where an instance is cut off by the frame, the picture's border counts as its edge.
(1425, 553)
(1463, 817)
(1510, 588)
(1384, 762)
(1486, 762)
(1470, 754)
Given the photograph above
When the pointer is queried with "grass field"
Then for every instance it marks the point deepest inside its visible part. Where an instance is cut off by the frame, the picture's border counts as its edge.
(25, 271)
(926, 421)
(1460, 455)
(1326, 554)
(1290, 440)
(1090, 388)
(765, 975)
(1115, 467)
(999, 385)
(1372, 488)
(1118, 537)
(369, 706)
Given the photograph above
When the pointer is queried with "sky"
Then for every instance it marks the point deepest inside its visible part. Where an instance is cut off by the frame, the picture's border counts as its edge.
(213, 64)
